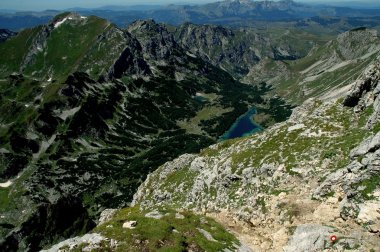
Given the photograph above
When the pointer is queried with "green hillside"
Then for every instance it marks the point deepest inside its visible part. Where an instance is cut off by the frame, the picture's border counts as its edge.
(89, 109)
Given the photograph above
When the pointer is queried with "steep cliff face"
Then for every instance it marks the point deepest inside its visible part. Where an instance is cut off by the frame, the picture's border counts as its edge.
(293, 186)
(297, 64)
(220, 46)
(238, 50)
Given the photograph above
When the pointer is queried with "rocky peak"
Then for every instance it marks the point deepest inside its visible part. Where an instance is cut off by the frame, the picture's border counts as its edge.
(204, 31)
(131, 60)
(358, 43)
(233, 50)
(67, 17)
(364, 86)
(40, 41)
(157, 42)
(201, 39)
(144, 26)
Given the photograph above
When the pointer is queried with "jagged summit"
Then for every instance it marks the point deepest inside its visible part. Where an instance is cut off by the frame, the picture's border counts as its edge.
(148, 25)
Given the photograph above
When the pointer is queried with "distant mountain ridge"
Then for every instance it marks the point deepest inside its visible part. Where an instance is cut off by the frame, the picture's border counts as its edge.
(223, 12)
(88, 109)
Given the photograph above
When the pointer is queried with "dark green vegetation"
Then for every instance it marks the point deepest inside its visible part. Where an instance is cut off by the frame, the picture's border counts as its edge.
(172, 232)
(88, 110)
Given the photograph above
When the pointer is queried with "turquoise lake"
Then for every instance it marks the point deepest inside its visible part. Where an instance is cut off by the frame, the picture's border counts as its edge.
(243, 126)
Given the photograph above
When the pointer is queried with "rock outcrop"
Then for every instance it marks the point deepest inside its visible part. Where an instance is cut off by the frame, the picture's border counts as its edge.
(293, 186)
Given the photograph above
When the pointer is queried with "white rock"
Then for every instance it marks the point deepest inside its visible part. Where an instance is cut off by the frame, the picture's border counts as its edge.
(93, 242)
(59, 23)
(106, 215)
(6, 184)
(282, 195)
(309, 237)
(179, 216)
(296, 127)
(207, 235)
(155, 215)
(130, 224)
(369, 213)
(370, 144)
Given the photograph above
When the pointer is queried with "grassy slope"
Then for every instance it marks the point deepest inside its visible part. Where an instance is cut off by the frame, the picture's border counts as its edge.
(298, 85)
(159, 234)
(301, 158)
(13, 51)
(66, 47)
(339, 135)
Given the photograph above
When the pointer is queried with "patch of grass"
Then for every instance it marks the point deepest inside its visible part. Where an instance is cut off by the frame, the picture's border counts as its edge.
(291, 230)
(376, 128)
(261, 203)
(365, 116)
(167, 233)
(330, 194)
(4, 197)
(192, 125)
(370, 186)
(277, 192)
(215, 150)
(330, 154)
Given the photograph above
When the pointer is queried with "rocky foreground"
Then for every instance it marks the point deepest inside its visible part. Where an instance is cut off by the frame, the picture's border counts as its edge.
(293, 187)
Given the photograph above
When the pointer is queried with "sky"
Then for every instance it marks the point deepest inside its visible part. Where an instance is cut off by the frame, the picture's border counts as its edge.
(64, 4)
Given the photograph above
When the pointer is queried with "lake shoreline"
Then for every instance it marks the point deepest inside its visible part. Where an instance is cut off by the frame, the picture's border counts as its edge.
(244, 125)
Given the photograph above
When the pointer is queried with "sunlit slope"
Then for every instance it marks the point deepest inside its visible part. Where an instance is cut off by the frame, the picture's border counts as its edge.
(325, 68)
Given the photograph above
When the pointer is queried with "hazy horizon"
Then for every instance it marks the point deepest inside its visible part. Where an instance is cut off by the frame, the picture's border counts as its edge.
(39, 5)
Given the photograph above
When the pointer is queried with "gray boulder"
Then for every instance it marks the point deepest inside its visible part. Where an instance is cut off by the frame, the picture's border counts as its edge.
(310, 237)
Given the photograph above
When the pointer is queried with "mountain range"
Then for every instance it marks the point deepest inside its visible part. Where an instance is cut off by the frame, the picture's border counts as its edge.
(108, 123)
(229, 12)
(112, 137)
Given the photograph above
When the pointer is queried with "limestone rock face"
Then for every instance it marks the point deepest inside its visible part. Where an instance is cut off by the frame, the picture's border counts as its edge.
(309, 237)
(91, 242)
(106, 215)
(369, 214)
(365, 90)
